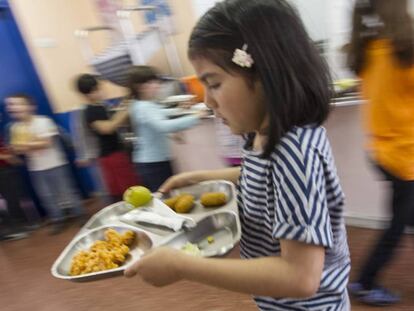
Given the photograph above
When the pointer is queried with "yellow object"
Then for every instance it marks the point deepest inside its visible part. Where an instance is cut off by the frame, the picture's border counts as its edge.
(210, 239)
(103, 255)
(137, 196)
(191, 249)
(213, 199)
(20, 134)
(389, 113)
(172, 201)
(184, 204)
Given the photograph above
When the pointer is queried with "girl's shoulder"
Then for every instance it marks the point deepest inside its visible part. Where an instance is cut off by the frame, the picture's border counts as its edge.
(301, 146)
(304, 138)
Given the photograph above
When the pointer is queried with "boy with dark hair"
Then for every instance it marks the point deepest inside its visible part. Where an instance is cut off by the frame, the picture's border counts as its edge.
(117, 170)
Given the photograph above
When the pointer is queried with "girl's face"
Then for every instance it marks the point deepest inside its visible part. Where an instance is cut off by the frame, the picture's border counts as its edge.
(240, 105)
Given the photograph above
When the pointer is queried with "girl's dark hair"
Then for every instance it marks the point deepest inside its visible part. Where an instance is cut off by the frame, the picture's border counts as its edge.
(294, 76)
(375, 19)
(139, 75)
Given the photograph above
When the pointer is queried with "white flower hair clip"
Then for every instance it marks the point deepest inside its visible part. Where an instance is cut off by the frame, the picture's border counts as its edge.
(242, 58)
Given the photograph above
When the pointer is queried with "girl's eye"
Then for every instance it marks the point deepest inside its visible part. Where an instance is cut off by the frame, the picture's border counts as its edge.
(214, 86)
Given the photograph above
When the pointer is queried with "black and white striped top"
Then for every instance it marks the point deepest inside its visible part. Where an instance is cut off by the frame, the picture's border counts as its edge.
(295, 195)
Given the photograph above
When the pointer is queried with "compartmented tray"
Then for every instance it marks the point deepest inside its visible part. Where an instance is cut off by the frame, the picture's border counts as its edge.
(208, 186)
(61, 267)
(214, 231)
(106, 216)
(214, 235)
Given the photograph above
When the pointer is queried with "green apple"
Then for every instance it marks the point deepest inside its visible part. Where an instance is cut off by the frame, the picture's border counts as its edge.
(137, 196)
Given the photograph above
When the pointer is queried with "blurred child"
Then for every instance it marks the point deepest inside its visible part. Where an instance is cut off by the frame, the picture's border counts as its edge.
(381, 52)
(36, 137)
(116, 168)
(151, 125)
(86, 145)
(267, 81)
(11, 194)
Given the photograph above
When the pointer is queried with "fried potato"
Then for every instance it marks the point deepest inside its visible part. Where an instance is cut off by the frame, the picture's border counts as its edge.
(172, 202)
(213, 199)
(184, 204)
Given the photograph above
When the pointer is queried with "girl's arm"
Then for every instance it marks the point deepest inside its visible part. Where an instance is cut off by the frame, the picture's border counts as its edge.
(189, 178)
(296, 273)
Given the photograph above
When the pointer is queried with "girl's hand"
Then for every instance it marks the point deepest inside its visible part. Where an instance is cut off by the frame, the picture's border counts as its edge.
(159, 267)
(181, 180)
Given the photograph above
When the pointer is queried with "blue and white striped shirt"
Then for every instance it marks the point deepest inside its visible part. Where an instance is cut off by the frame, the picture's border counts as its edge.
(295, 195)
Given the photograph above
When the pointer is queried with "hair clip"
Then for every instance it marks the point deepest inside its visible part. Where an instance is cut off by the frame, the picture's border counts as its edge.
(242, 58)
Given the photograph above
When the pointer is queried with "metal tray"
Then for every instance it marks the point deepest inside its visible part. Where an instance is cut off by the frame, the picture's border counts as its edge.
(108, 215)
(177, 99)
(61, 267)
(207, 186)
(221, 223)
(158, 207)
(223, 227)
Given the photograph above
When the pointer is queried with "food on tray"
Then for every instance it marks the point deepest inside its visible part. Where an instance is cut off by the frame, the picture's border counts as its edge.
(103, 255)
(213, 199)
(210, 239)
(191, 249)
(182, 203)
(171, 201)
(137, 196)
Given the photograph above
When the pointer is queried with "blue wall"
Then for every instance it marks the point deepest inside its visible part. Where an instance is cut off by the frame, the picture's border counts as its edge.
(18, 75)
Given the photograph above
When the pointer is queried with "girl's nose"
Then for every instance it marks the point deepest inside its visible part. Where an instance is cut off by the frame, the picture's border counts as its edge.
(209, 101)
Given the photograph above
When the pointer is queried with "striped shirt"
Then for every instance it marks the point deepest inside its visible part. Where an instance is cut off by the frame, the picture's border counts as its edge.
(295, 195)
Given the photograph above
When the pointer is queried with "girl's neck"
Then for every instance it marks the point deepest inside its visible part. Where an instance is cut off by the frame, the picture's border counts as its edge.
(259, 142)
(260, 138)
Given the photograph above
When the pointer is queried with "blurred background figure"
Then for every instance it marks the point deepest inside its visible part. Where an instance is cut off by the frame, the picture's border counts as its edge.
(114, 162)
(12, 216)
(36, 138)
(151, 124)
(381, 53)
(86, 147)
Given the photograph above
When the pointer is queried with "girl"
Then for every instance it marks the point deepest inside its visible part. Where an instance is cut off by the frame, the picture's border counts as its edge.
(382, 54)
(151, 124)
(265, 79)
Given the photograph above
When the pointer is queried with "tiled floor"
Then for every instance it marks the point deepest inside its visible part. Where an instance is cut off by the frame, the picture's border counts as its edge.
(26, 282)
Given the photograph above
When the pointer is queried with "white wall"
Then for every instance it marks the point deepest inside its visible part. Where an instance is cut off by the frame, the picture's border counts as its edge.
(201, 6)
(315, 16)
